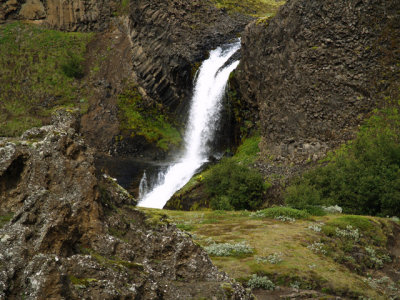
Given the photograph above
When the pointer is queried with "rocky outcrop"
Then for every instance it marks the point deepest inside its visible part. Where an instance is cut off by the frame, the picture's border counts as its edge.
(69, 15)
(70, 235)
(316, 70)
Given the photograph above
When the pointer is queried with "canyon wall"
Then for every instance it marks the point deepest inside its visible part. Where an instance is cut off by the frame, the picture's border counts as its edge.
(316, 70)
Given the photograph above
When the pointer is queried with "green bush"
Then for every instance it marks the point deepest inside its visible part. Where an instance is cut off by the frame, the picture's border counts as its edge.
(221, 203)
(73, 66)
(363, 177)
(231, 185)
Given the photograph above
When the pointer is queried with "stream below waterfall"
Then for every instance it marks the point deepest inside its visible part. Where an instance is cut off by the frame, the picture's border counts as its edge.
(203, 121)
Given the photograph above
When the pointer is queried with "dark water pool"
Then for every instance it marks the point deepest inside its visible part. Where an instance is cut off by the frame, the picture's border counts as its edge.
(129, 171)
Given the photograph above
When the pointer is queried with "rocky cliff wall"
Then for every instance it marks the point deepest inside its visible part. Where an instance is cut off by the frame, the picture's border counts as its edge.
(316, 69)
(66, 234)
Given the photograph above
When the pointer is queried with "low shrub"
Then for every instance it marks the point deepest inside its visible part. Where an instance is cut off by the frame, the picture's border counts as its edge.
(227, 249)
(234, 186)
(260, 282)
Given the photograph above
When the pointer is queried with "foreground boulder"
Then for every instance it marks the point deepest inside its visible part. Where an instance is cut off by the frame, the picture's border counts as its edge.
(69, 235)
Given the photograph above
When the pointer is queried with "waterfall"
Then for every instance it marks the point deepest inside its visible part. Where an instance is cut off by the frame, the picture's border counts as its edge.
(206, 105)
(143, 186)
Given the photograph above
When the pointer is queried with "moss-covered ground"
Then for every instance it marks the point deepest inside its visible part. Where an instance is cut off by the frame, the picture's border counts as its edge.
(255, 8)
(306, 253)
(37, 68)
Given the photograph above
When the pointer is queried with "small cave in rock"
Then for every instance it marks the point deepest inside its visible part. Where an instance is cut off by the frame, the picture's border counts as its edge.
(12, 176)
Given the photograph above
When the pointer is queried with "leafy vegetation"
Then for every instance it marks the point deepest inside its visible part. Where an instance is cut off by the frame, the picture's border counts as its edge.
(81, 282)
(234, 186)
(256, 8)
(363, 177)
(38, 72)
(139, 117)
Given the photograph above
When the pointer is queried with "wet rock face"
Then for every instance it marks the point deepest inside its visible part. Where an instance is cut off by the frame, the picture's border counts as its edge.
(317, 69)
(74, 236)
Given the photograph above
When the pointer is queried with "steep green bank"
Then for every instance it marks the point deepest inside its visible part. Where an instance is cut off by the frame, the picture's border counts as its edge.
(40, 69)
(147, 119)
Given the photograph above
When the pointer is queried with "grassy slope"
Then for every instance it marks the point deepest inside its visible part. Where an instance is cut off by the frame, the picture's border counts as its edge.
(137, 117)
(290, 240)
(32, 81)
(256, 8)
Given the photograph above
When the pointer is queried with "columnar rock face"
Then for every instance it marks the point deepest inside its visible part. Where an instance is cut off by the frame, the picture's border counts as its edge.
(171, 38)
(73, 236)
(317, 69)
(65, 15)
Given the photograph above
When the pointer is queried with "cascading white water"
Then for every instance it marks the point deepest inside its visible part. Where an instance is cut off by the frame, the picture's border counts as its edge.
(203, 118)
(143, 186)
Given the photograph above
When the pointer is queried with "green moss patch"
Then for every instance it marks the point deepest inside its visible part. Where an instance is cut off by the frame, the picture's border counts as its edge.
(155, 217)
(147, 119)
(4, 219)
(113, 262)
(248, 151)
(39, 70)
(81, 282)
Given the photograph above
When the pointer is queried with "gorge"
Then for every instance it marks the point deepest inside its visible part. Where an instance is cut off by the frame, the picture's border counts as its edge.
(275, 157)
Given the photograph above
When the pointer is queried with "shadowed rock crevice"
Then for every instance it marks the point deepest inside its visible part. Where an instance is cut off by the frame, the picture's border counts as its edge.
(12, 176)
